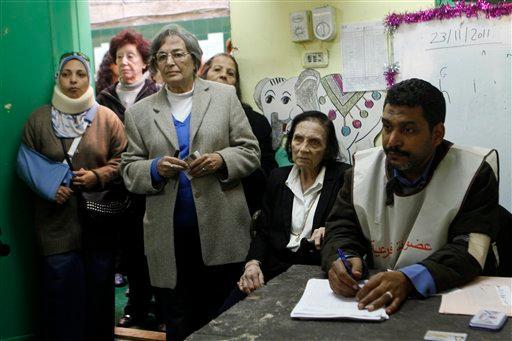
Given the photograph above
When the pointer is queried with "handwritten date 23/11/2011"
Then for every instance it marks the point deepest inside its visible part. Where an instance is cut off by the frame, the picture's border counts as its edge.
(460, 35)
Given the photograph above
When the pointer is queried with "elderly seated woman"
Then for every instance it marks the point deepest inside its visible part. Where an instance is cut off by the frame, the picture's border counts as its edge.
(297, 202)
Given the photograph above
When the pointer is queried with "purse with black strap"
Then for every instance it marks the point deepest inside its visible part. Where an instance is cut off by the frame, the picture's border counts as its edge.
(112, 201)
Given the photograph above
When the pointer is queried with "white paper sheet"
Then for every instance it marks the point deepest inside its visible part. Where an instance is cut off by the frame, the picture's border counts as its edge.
(319, 302)
(212, 46)
(364, 54)
(491, 293)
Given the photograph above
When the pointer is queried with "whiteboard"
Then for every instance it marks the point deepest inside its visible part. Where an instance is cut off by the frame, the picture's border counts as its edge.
(469, 60)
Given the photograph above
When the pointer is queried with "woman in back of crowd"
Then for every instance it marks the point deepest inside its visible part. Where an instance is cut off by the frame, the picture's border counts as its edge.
(130, 52)
(107, 73)
(296, 203)
(76, 248)
(223, 68)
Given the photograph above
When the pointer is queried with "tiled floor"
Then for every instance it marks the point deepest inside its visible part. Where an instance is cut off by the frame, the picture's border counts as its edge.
(120, 302)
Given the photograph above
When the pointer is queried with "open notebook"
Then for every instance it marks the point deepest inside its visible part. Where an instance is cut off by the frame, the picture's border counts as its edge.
(319, 302)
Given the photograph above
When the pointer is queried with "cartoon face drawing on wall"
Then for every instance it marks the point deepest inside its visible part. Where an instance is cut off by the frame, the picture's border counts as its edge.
(277, 100)
(356, 115)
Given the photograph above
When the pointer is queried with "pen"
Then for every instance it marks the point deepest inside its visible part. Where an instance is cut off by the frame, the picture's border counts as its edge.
(345, 261)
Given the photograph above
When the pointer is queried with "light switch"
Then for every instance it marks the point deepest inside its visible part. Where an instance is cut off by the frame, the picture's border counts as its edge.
(300, 26)
(315, 59)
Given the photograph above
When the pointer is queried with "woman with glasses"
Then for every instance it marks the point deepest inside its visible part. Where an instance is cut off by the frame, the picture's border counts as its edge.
(130, 52)
(189, 146)
(223, 68)
(77, 250)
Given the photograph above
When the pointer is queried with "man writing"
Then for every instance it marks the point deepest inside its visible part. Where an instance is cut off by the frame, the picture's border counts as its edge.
(419, 205)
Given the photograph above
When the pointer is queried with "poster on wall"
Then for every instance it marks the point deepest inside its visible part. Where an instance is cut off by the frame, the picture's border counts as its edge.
(356, 115)
(364, 53)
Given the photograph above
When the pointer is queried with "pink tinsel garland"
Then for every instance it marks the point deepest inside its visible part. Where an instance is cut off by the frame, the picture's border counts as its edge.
(394, 20)
(390, 72)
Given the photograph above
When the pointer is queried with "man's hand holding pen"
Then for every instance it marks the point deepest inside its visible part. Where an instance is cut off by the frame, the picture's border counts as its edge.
(385, 289)
(344, 281)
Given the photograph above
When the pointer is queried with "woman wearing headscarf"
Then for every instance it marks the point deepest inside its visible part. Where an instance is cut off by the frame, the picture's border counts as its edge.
(130, 52)
(223, 68)
(77, 250)
(189, 146)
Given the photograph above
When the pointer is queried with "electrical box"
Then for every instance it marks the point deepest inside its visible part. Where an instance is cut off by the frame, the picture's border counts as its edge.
(324, 22)
(300, 26)
(315, 59)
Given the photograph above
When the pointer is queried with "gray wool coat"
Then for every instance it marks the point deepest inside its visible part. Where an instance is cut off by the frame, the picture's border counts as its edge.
(218, 124)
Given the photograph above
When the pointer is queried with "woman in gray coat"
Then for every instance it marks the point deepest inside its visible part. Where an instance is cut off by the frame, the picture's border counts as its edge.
(189, 146)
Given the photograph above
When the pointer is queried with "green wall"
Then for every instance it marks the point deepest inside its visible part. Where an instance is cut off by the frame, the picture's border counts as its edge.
(33, 34)
(200, 28)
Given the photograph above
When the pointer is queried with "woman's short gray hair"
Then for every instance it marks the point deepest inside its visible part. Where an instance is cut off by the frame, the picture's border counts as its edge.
(188, 38)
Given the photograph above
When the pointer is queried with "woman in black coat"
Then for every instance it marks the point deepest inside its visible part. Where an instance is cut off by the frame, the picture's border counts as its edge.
(130, 52)
(296, 203)
(223, 68)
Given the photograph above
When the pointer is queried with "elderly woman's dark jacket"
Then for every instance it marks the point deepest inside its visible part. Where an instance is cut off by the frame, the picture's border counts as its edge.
(256, 182)
(274, 225)
(109, 98)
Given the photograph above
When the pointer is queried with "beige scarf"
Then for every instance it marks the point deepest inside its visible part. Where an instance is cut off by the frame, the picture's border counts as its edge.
(72, 106)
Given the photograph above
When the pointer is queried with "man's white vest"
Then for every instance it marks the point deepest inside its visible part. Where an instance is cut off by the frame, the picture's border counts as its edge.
(417, 225)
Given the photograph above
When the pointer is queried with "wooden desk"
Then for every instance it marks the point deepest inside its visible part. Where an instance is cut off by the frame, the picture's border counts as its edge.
(265, 315)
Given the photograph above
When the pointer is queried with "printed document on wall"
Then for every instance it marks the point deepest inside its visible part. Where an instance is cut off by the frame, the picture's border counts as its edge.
(364, 54)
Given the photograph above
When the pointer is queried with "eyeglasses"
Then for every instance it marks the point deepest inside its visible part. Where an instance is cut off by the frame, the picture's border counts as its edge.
(80, 54)
(162, 57)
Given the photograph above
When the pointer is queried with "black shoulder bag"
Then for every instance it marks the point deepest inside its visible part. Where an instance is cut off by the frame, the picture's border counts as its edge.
(111, 201)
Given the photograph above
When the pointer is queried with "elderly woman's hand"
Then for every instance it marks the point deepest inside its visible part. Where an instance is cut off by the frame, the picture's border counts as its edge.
(170, 166)
(63, 194)
(252, 278)
(206, 164)
(318, 237)
(85, 178)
